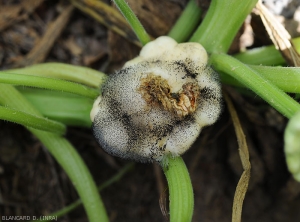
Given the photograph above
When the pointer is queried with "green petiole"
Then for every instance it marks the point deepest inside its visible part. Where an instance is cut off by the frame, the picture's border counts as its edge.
(79, 74)
(266, 55)
(66, 108)
(254, 81)
(285, 78)
(133, 21)
(220, 25)
(187, 22)
(48, 83)
(181, 194)
(29, 120)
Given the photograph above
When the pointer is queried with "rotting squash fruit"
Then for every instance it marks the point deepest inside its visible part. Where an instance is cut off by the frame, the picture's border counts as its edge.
(157, 104)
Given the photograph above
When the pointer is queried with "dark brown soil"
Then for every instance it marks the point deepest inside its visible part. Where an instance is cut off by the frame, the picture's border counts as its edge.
(33, 184)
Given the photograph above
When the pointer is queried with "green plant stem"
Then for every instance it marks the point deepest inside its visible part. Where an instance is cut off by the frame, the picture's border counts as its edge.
(66, 108)
(224, 17)
(29, 120)
(254, 81)
(64, 153)
(133, 21)
(48, 83)
(187, 22)
(106, 184)
(72, 73)
(285, 78)
(180, 190)
(266, 55)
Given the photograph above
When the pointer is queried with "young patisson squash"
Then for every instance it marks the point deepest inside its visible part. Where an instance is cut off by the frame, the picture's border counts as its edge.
(157, 104)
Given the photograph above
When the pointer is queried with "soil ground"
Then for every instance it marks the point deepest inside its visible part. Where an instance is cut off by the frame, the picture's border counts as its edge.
(33, 184)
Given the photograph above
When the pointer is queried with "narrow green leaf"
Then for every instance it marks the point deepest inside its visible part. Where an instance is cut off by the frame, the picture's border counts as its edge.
(79, 74)
(133, 21)
(66, 108)
(29, 120)
(48, 83)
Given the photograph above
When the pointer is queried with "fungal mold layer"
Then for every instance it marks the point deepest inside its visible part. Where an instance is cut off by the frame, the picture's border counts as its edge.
(157, 104)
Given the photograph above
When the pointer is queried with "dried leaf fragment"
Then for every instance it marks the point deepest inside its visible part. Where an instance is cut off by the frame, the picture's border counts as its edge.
(156, 91)
(243, 183)
(279, 35)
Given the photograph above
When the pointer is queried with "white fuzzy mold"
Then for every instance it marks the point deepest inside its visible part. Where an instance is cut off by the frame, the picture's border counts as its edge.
(157, 104)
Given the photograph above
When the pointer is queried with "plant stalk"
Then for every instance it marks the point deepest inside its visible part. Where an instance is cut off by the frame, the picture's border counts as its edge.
(181, 194)
(32, 121)
(220, 18)
(79, 74)
(133, 21)
(48, 83)
(187, 22)
(282, 102)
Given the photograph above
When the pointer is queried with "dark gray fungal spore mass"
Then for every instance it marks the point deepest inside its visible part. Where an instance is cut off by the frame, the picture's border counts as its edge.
(131, 121)
(112, 122)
